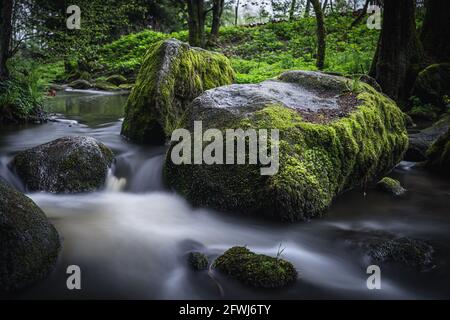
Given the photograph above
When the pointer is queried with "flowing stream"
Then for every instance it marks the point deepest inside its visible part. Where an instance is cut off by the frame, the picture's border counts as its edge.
(131, 239)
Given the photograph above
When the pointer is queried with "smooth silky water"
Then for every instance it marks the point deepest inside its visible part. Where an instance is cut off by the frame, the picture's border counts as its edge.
(131, 238)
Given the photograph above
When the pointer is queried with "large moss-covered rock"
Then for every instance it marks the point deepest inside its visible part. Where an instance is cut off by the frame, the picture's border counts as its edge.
(171, 76)
(69, 164)
(433, 83)
(439, 155)
(257, 270)
(331, 140)
(29, 244)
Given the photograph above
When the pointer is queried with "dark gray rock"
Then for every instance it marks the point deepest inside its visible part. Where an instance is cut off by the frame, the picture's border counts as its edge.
(29, 244)
(80, 84)
(421, 141)
(69, 164)
(383, 247)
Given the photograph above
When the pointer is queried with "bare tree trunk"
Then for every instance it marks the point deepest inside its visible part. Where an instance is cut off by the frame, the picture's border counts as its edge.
(218, 6)
(308, 8)
(6, 8)
(325, 3)
(321, 34)
(435, 34)
(399, 51)
(196, 22)
(292, 10)
(236, 13)
(361, 15)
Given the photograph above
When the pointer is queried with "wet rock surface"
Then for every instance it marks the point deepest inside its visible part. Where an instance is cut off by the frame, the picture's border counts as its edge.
(29, 244)
(69, 164)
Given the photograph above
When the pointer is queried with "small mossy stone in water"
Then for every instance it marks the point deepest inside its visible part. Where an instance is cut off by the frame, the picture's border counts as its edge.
(29, 243)
(256, 270)
(391, 186)
(172, 75)
(69, 164)
(106, 86)
(198, 261)
(384, 247)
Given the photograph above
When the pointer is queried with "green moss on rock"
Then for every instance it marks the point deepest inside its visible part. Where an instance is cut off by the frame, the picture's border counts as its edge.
(439, 155)
(318, 161)
(171, 76)
(29, 244)
(256, 270)
(69, 164)
(198, 261)
(433, 83)
(116, 79)
(391, 186)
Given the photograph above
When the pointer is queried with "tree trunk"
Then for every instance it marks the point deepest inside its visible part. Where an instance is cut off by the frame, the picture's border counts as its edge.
(6, 8)
(321, 34)
(399, 52)
(308, 8)
(325, 4)
(292, 10)
(435, 34)
(361, 15)
(236, 13)
(217, 16)
(196, 22)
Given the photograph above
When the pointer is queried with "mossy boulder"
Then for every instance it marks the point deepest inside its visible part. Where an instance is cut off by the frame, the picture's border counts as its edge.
(331, 140)
(106, 86)
(391, 186)
(421, 141)
(29, 244)
(433, 83)
(198, 261)
(116, 79)
(69, 164)
(80, 84)
(439, 155)
(257, 270)
(171, 76)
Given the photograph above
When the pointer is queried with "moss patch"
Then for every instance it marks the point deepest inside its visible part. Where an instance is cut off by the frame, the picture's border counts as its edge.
(391, 186)
(171, 76)
(257, 270)
(433, 83)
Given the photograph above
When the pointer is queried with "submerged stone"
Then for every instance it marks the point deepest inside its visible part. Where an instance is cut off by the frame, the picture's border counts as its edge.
(391, 186)
(256, 270)
(69, 164)
(171, 76)
(29, 244)
(331, 140)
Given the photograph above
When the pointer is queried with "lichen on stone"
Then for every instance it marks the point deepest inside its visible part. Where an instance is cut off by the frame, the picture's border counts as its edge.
(171, 76)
